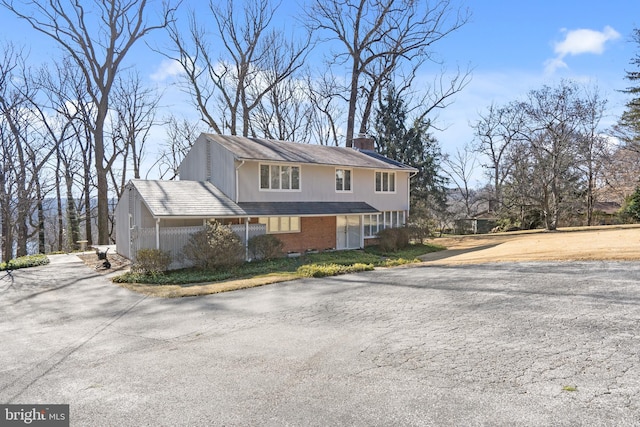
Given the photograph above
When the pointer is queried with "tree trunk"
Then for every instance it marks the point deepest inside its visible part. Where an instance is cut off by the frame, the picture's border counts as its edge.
(353, 100)
(102, 182)
(72, 214)
(59, 205)
(41, 230)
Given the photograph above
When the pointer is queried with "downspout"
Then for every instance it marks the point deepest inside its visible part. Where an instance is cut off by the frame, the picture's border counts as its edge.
(237, 181)
(129, 241)
(158, 233)
(246, 238)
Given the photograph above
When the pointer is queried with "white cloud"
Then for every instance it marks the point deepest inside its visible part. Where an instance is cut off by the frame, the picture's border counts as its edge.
(168, 68)
(578, 42)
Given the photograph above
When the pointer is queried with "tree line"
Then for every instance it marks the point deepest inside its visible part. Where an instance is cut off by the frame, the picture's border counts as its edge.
(548, 159)
(76, 128)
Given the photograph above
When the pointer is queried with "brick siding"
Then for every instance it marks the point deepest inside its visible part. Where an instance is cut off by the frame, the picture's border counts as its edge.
(317, 233)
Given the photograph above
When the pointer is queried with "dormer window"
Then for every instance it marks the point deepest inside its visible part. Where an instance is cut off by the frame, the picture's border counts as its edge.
(279, 177)
(343, 180)
(385, 182)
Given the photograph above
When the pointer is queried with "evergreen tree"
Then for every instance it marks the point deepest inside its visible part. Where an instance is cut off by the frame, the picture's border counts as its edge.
(413, 146)
(628, 127)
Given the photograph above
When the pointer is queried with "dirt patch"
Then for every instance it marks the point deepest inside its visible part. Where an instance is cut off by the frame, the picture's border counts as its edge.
(620, 243)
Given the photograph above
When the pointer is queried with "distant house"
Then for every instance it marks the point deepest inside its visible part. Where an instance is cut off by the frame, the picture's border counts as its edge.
(312, 197)
(606, 213)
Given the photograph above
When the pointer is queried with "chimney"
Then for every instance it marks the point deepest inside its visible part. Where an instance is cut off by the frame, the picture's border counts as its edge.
(363, 142)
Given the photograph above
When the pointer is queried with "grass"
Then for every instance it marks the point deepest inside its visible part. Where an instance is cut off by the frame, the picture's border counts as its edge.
(24, 262)
(191, 282)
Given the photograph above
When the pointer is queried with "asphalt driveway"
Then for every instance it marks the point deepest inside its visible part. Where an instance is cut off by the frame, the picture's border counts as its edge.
(506, 344)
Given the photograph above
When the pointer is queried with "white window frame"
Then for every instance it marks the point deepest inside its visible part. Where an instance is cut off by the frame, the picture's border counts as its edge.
(350, 190)
(380, 221)
(390, 178)
(275, 224)
(277, 169)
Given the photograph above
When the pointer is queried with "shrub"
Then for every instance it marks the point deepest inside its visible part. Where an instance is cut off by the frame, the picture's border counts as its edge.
(24, 262)
(323, 270)
(151, 261)
(265, 246)
(393, 239)
(215, 247)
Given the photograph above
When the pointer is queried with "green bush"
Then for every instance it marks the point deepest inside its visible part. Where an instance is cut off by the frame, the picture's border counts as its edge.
(24, 262)
(265, 246)
(215, 247)
(151, 261)
(323, 270)
(393, 239)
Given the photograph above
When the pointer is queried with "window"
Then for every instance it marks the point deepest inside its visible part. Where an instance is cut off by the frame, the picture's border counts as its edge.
(343, 179)
(378, 222)
(385, 182)
(371, 225)
(281, 224)
(277, 177)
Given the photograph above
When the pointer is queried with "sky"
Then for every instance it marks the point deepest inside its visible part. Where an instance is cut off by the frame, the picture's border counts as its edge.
(511, 46)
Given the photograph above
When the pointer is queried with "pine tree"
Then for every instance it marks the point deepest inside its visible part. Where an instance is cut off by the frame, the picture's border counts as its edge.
(413, 146)
(628, 127)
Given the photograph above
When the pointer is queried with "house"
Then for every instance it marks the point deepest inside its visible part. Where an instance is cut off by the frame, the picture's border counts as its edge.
(312, 197)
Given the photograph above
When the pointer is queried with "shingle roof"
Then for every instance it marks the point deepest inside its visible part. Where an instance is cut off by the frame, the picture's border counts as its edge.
(305, 208)
(185, 198)
(204, 200)
(280, 151)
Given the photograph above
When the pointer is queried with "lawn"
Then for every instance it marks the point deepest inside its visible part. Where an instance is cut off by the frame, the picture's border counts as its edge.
(191, 282)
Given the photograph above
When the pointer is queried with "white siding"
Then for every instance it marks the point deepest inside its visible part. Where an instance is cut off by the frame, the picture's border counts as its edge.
(317, 184)
(194, 166)
(122, 224)
(223, 170)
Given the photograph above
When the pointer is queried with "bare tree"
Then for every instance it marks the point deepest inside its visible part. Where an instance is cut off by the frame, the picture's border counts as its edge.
(228, 88)
(495, 132)
(181, 133)
(324, 96)
(460, 169)
(134, 107)
(592, 147)
(284, 113)
(28, 152)
(378, 38)
(553, 120)
(98, 41)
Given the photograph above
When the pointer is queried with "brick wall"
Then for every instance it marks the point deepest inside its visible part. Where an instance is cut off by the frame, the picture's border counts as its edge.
(317, 233)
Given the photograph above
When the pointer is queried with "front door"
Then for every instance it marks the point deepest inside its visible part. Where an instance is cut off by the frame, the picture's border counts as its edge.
(349, 232)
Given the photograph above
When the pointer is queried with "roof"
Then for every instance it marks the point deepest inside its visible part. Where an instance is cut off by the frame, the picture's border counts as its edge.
(204, 200)
(270, 150)
(185, 198)
(606, 207)
(305, 208)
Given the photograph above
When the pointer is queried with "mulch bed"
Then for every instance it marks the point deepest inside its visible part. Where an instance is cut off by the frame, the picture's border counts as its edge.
(118, 262)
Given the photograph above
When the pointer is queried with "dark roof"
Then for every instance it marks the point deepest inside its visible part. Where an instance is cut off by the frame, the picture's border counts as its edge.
(205, 200)
(281, 151)
(185, 199)
(305, 208)
(606, 207)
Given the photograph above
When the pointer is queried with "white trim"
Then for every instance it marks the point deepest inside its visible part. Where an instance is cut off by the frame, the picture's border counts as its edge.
(280, 165)
(350, 190)
(266, 220)
(395, 181)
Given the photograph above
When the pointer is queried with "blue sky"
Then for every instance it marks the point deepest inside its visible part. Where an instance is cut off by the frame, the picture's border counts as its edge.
(517, 46)
(512, 46)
